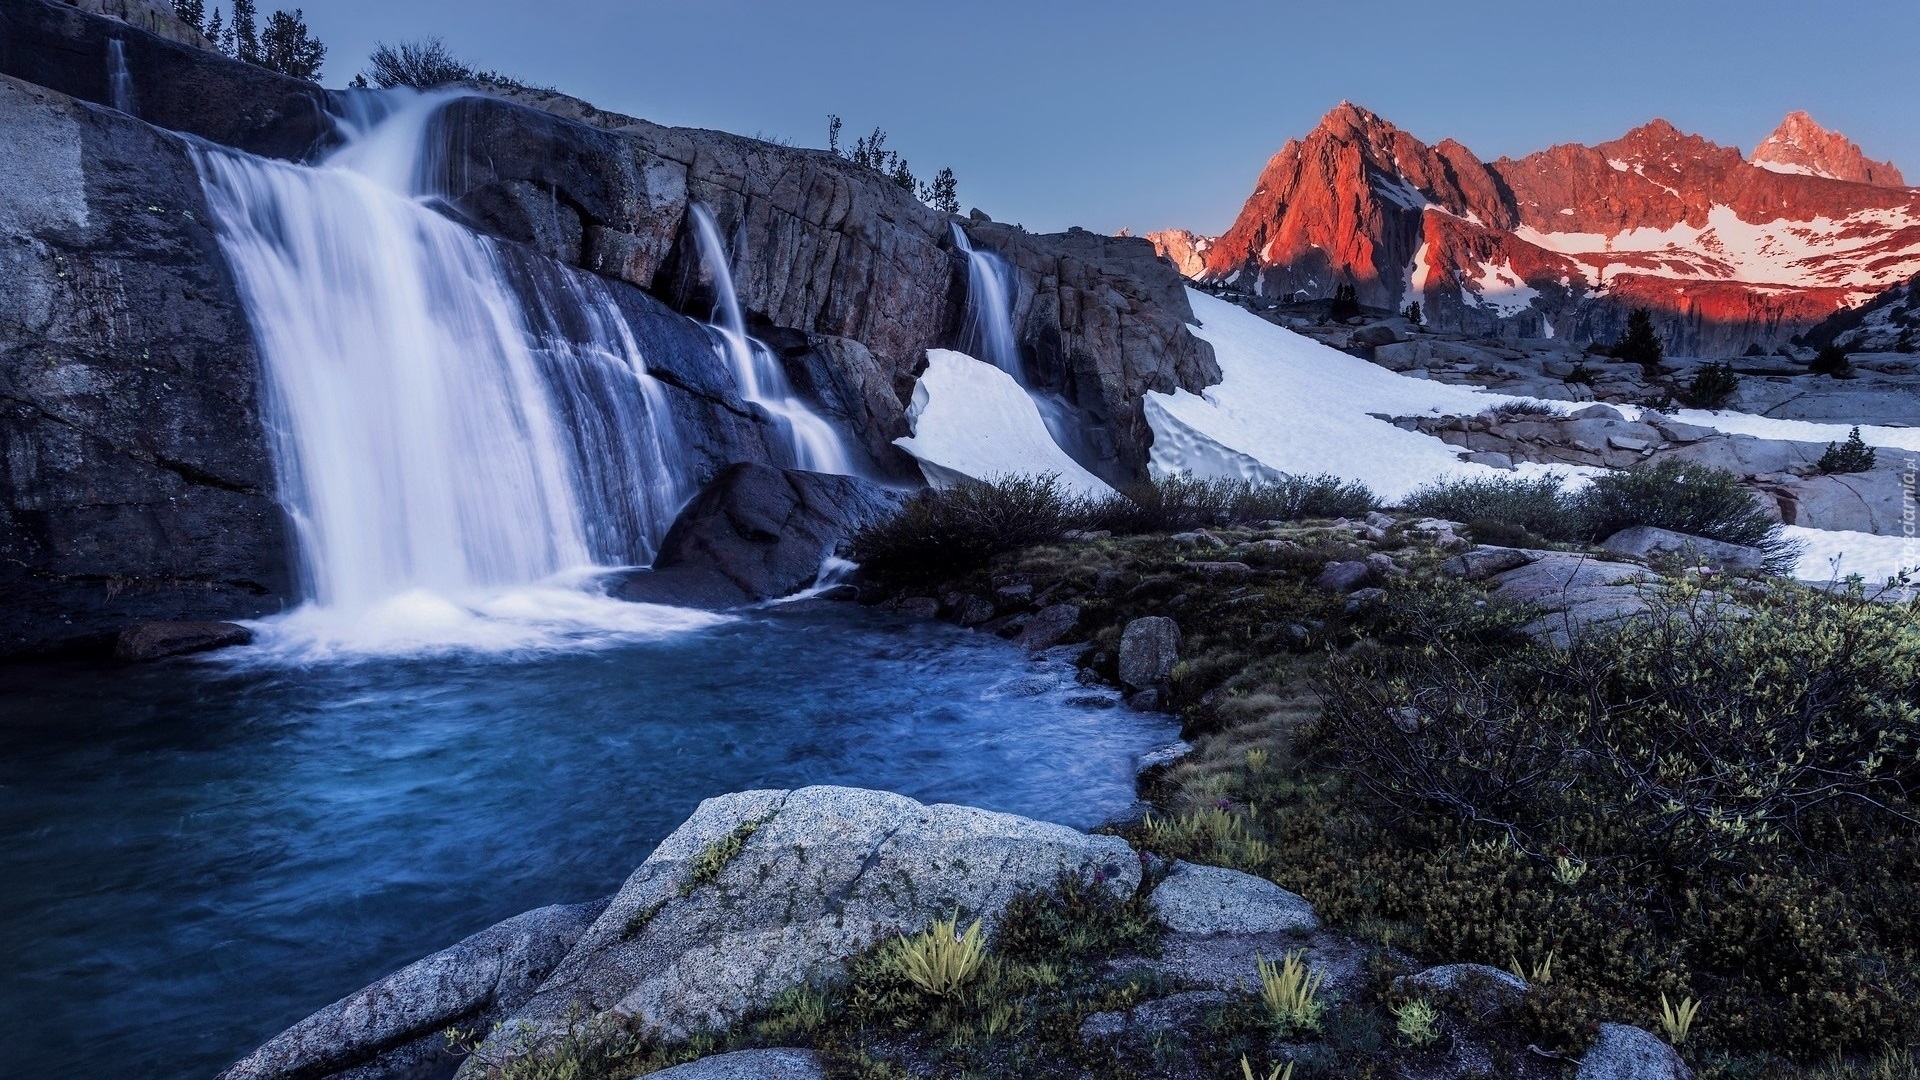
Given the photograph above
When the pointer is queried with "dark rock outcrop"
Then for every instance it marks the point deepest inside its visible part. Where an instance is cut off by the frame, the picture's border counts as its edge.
(160, 640)
(756, 533)
(176, 85)
(135, 482)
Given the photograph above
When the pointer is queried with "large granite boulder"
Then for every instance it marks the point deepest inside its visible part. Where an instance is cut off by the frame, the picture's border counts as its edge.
(756, 533)
(135, 482)
(778, 1063)
(1654, 545)
(1216, 900)
(760, 891)
(1628, 1053)
(395, 1025)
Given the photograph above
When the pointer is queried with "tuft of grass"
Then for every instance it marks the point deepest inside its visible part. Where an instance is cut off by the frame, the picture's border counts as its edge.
(941, 958)
(1276, 1073)
(1417, 1022)
(1290, 991)
(1676, 1021)
(712, 861)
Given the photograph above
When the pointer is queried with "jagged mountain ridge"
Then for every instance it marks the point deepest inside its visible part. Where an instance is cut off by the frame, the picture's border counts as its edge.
(1566, 241)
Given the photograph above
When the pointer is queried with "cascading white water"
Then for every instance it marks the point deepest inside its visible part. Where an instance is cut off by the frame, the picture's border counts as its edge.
(987, 333)
(811, 441)
(451, 421)
(119, 78)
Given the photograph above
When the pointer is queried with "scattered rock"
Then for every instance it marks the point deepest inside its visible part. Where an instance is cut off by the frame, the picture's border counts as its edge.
(1647, 542)
(1173, 1012)
(1086, 534)
(398, 1019)
(1382, 564)
(1360, 598)
(1628, 1053)
(918, 607)
(1343, 577)
(159, 640)
(1048, 626)
(1578, 592)
(1149, 647)
(1198, 538)
(1228, 961)
(1485, 990)
(1166, 755)
(1014, 595)
(1220, 569)
(777, 1064)
(1484, 562)
(968, 609)
(1597, 412)
(1144, 701)
(1216, 900)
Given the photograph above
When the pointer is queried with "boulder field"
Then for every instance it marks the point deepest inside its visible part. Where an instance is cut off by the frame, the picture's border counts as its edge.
(135, 482)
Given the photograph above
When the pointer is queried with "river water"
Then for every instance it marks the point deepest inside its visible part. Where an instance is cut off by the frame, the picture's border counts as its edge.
(200, 853)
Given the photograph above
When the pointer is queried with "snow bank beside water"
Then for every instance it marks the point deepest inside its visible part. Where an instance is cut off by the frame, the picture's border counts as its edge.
(971, 420)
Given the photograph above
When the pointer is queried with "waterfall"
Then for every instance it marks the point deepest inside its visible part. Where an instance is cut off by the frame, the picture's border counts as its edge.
(988, 329)
(119, 79)
(461, 431)
(812, 443)
(987, 334)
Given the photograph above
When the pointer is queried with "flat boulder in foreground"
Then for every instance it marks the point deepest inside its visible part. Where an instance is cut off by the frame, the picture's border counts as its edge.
(757, 892)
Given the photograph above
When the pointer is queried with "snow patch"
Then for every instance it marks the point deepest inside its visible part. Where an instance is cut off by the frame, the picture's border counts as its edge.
(972, 421)
(1500, 290)
(1288, 404)
(1833, 555)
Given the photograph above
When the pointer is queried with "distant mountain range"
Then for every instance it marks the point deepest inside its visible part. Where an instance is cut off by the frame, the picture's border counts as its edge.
(1728, 250)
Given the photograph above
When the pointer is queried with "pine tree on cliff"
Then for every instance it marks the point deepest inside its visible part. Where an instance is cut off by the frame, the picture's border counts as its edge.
(192, 12)
(217, 32)
(289, 49)
(244, 33)
(1640, 345)
(1346, 303)
(943, 194)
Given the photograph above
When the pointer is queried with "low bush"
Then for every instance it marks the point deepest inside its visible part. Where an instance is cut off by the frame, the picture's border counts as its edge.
(1712, 386)
(1521, 408)
(1681, 496)
(1537, 505)
(1180, 504)
(1832, 360)
(1852, 456)
(1711, 804)
(944, 532)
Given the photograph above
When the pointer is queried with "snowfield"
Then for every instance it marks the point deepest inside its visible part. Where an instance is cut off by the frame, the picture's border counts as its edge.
(972, 421)
(1288, 404)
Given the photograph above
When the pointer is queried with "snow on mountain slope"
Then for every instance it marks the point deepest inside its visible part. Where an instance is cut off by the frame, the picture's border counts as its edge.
(1288, 404)
(972, 421)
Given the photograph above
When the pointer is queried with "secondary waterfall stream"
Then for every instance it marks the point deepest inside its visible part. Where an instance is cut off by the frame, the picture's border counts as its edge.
(987, 334)
(812, 443)
(461, 432)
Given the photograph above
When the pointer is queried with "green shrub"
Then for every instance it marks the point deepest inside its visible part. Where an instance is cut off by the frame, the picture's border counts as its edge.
(1681, 496)
(1712, 386)
(1640, 344)
(1832, 360)
(1520, 408)
(1537, 505)
(1182, 503)
(1739, 783)
(1581, 375)
(1851, 457)
(943, 532)
(1346, 303)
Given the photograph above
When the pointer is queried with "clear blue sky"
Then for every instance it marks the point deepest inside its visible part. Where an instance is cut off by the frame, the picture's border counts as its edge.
(1150, 115)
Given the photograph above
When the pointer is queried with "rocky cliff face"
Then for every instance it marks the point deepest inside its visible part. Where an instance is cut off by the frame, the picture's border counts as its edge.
(1185, 250)
(1566, 241)
(134, 480)
(111, 482)
(1799, 145)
